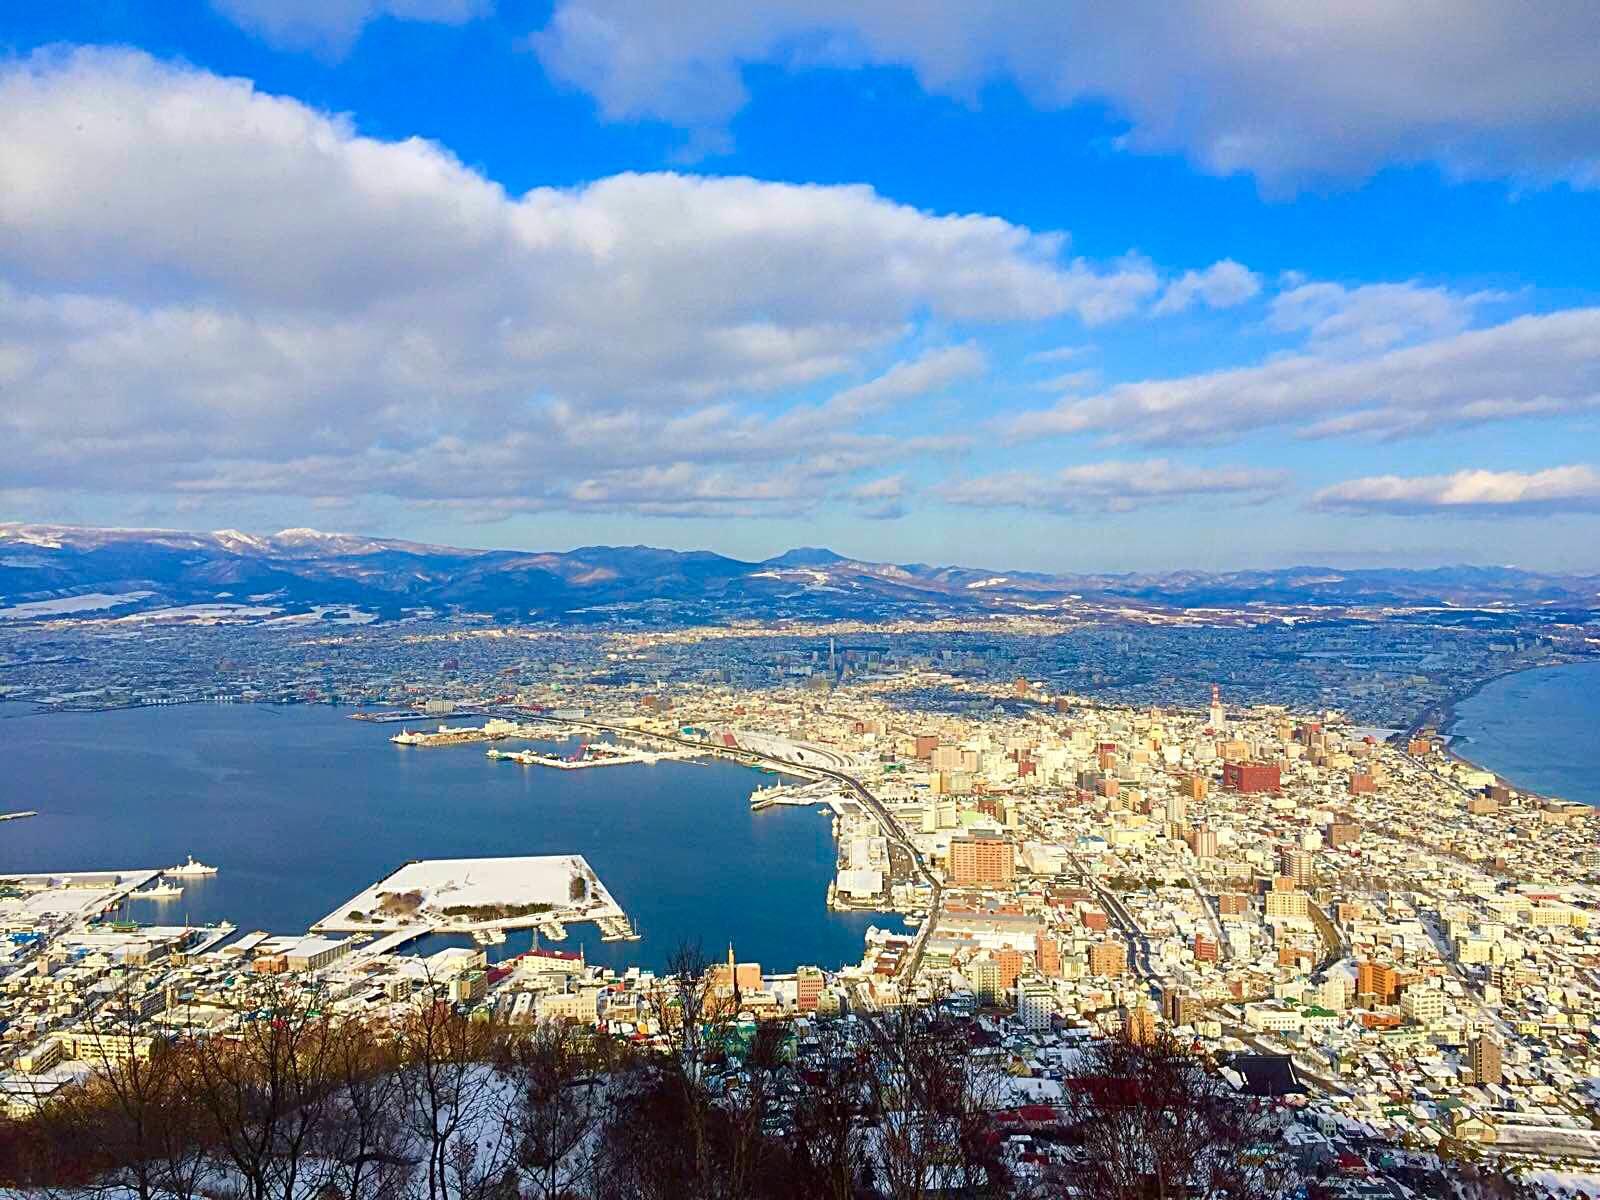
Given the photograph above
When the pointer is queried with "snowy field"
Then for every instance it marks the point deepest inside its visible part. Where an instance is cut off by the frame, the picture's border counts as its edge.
(423, 892)
(67, 605)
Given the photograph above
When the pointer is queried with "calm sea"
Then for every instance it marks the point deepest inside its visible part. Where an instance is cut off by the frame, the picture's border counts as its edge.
(301, 808)
(1539, 729)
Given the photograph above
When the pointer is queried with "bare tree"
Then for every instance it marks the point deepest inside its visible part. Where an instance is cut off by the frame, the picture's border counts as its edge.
(452, 1107)
(365, 1133)
(557, 1106)
(265, 1090)
(828, 1140)
(1155, 1121)
(132, 1121)
(933, 1100)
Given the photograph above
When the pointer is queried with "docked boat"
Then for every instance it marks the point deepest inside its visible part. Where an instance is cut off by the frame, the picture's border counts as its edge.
(190, 867)
(157, 891)
(489, 937)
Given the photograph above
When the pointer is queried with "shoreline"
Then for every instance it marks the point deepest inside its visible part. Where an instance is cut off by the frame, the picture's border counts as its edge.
(1448, 718)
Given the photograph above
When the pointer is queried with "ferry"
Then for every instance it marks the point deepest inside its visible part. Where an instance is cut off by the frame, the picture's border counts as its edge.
(190, 868)
(158, 891)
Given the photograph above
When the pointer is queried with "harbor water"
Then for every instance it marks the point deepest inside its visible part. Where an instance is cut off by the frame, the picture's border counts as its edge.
(301, 808)
(1540, 729)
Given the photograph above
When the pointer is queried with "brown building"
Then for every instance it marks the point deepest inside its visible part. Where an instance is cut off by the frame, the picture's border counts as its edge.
(1297, 865)
(1108, 959)
(1379, 982)
(1343, 833)
(1046, 956)
(1205, 949)
(927, 743)
(982, 859)
(808, 988)
(1010, 963)
(1362, 784)
(1139, 1025)
(1180, 1007)
(1233, 904)
(1251, 777)
(1485, 1058)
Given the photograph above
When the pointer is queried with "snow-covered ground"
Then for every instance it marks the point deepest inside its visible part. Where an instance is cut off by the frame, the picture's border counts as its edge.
(473, 882)
(66, 605)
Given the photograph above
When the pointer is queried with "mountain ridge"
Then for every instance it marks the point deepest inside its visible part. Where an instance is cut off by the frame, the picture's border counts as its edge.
(43, 562)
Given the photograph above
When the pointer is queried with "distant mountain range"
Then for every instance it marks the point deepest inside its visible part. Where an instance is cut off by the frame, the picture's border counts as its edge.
(45, 569)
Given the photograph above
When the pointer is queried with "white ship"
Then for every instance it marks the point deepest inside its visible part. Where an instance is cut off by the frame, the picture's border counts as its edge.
(190, 868)
(158, 891)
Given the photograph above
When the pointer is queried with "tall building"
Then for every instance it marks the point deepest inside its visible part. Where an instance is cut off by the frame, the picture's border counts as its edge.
(1180, 1007)
(1285, 902)
(808, 988)
(1046, 956)
(1297, 865)
(1218, 722)
(1378, 982)
(1139, 1024)
(1036, 1003)
(1108, 959)
(1485, 1058)
(1251, 777)
(1177, 810)
(1203, 841)
(982, 859)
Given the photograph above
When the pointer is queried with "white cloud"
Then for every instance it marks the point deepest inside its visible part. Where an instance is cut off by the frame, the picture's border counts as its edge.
(931, 372)
(882, 499)
(1469, 493)
(1533, 366)
(1342, 321)
(1115, 486)
(262, 299)
(331, 27)
(1223, 284)
(1293, 92)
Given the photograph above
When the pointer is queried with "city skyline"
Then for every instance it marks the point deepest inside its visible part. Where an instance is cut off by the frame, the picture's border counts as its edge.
(929, 289)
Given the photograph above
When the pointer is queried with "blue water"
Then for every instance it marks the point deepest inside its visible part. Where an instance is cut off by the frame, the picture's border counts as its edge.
(1539, 729)
(301, 808)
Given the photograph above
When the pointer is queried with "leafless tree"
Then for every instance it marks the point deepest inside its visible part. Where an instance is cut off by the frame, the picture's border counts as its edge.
(1156, 1121)
(132, 1122)
(933, 1101)
(557, 1104)
(365, 1131)
(452, 1106)
(828, 1139)
(264, 1090)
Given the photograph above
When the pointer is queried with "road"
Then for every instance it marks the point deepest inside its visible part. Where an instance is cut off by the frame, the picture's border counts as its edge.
(1138, 943)
(891, 828)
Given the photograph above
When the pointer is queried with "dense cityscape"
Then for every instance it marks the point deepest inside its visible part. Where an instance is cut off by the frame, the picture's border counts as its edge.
(1289, 871)
(621, 600)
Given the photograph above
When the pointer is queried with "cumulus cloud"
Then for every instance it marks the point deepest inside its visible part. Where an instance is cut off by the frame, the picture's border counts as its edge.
(1222, 285)
(1115, 486)
(1294, 93)
(1342, 321)
(881, 499)
(1469, 493)
(208, 288)
(330, 27)
(1533, 366)
(930, 372)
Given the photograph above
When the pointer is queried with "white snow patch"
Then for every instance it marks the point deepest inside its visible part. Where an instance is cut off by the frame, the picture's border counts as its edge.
(66, 605)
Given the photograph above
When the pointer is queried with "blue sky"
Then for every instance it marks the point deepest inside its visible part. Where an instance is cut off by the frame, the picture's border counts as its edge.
(1047, 287)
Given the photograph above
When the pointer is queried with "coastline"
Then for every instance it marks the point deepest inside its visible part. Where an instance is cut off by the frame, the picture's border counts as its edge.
(1448, 717)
